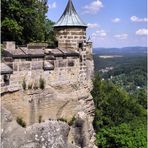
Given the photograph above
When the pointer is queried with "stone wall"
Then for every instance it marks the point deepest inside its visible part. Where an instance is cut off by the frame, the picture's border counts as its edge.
(75, 38)
(70, 37)
(66, 70)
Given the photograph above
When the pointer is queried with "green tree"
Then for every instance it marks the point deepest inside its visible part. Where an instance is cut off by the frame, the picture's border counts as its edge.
(132, 135)
(118, 117)
(25, 21)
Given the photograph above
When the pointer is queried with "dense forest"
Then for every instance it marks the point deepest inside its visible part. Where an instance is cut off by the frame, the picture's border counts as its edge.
(25, 21)
(120, 118)
(121, 101)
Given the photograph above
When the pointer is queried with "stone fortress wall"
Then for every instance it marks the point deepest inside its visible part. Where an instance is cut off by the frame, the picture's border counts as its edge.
(32, 103)
(66, 93)
(66, 72)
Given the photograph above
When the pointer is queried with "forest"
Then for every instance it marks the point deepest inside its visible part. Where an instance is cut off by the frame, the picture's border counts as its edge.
(121, 101)
(128, 72)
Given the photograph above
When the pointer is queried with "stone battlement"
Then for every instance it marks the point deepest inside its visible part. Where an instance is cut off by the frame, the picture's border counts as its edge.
(57, 65)
(39, 83)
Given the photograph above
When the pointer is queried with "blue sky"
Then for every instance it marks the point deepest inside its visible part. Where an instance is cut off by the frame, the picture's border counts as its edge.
(111, 23)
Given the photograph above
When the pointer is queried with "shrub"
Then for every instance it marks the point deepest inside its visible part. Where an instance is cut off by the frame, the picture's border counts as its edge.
(42, 83)
(30, 86)
(35, 86)
(62, 119)
(24, 84)
(20, 121)
(71, 122)
(40, 119)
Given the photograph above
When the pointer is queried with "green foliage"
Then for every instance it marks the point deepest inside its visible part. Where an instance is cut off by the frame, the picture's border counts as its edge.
(24, 84)
(30, 86)
(2, 50)
(62, 119)
(42, 83)
(20, 121)
(72, 121)
(40, 119)
(141, 96)
(26, 21)
(118, 117)
(125, 135)
(35, 86)
(49, 33)
(129, 72)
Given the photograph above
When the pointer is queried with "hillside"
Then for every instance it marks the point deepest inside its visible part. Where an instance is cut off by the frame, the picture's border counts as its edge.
(120, 97)
(120, 51)
(125, 70)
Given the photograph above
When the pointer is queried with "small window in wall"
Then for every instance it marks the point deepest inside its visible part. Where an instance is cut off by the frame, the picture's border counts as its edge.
(81, 45)
(71, 63)
(56, 44)
(28, 59)
(6, 79)
(81, 59)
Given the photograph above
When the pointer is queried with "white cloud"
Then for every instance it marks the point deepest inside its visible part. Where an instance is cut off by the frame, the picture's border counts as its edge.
(99, 33)
(93, 7)
(121, 36)
(142, 32)
(92, 26)
(116, 20)
(136, 19)
(52, 6)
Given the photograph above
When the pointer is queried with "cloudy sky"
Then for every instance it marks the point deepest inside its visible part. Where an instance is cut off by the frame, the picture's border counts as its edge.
(111, 23)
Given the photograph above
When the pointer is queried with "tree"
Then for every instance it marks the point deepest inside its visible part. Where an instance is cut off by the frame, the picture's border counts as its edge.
(125, 135)
(25, 21)
(120, 119)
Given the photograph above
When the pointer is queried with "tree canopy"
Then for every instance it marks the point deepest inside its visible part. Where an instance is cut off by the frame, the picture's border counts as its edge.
(26, 21)
(120, 118)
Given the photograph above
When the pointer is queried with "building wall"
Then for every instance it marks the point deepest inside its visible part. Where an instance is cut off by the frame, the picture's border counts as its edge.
(68, 37)
(32, 104)
(65, 71)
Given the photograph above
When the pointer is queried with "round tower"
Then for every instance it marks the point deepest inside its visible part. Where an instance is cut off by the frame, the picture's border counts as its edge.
(70, 30)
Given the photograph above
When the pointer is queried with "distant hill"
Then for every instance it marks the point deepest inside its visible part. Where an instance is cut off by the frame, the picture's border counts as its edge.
(120, 51)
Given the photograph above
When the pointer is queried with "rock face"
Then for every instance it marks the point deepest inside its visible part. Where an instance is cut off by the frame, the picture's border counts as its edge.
(49, 134)
(58, 102)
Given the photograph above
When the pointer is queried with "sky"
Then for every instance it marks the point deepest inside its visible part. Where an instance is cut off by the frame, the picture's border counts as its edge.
(111, 23)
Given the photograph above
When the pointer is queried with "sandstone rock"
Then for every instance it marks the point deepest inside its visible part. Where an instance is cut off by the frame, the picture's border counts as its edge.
(53, 103)
(50, 134)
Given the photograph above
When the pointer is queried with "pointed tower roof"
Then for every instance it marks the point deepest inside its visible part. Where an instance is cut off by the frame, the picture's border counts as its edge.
(70, 17)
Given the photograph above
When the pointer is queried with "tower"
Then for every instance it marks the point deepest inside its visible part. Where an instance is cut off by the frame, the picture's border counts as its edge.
(70, 33)
(70, 30)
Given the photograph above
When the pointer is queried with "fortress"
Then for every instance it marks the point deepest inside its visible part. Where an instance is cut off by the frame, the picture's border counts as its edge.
(70, 62)
(39, 83)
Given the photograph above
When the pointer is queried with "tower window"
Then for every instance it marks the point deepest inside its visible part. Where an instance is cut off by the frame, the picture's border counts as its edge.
(56, 44)
(81, 45)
